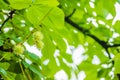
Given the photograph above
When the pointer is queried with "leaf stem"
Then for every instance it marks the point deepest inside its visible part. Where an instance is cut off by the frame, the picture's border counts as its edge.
(3, 57)
(22, 70)
(10, 16)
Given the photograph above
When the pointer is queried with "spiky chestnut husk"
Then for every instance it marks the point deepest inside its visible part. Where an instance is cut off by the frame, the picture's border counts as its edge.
(38, 35)
(39, 44)
(18, 49)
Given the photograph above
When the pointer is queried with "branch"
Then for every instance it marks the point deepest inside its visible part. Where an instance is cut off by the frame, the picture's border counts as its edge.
(71, 13)
(75, 25)
(86, 32)
(10, 16)
(114, 45)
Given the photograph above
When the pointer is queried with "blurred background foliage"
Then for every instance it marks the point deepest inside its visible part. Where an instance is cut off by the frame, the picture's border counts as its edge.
(56, 28)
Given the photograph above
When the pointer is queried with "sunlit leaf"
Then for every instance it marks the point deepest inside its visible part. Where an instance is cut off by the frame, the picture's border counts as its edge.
(20, 4)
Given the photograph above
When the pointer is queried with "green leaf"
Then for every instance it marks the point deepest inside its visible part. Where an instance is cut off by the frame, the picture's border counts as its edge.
(116, 40)
(65, 67)
(4, 65)
(117, 63)
(37, 13)
(52, 67)
(56, 17)
(8, 55)
(30, 41)
(1, 42)
(20, 4)
(103, 72)
(31, 56)
(3, 72)
(101, 6)
(84, 66)
(46, 2)
(49, 47)
(66, 56)
(11, 75)
(3, 5)
(36, 70)
(116, 26)
(60, 43)
(25, 64)
(76, 17)
(93, 76)
(19, 77)
(105, 35)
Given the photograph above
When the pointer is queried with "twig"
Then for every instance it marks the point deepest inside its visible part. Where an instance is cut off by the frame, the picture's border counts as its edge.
(71, 13)
(9, 17)
(114, 45)
(28, 75)
(86, 32)
(22, 70)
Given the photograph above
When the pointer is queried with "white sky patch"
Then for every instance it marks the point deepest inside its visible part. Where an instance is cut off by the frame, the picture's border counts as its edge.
(22, 21)
(115, 35)
(78, 56)
(112, 55)
(75, 31)
(111, 40)
(95, 60)
(105, 53)
(111, 73)
(31, 28)
(85, 9)
(111, 29)
(109, 16)
(91, 19)
(91, 4)
(102, 78)
(46, 61)
(95, 23)
(81, 75)
(78, 4)
(22, 25)
(56, 53)
(106, 65)
(28, 61)
(107, 26)
(66, 5)
(57, 61)
(33, 49)
(6, 11)
(92, 0)
(117, 17)
(94, 13)
(73, 76)
(61, 75)
(0, 20)
(101, 22)
(6, 29)
(51, 30)
(69, 48)
(5, 16)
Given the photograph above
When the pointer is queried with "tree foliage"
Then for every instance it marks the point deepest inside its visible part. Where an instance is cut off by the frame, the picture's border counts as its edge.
(53, 26)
